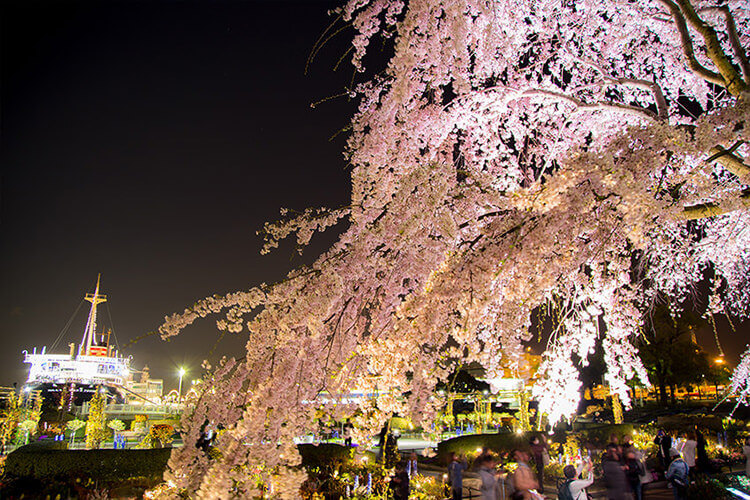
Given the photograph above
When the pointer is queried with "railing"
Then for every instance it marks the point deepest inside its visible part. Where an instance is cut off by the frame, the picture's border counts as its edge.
(130, 409)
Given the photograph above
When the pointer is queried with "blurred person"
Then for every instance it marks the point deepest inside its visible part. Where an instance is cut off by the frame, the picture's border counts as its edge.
(456, 467)
(746, 452)
(523, 478)
(664, 442)
(614, 474)
(400, 483)
(701, 457)
(538, 449)
(633, 471)
(627, 443)
(347, 432)
(488, 476)
(689, 449)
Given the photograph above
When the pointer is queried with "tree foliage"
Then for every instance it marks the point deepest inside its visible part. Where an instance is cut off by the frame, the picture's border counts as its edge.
(511, 155)
(668, 351)
(96, 432)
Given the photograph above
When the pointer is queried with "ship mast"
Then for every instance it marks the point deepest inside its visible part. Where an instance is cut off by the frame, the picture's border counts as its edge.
(90, 331)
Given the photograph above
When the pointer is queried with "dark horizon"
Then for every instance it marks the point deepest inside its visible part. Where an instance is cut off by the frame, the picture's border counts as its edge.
(149, 142)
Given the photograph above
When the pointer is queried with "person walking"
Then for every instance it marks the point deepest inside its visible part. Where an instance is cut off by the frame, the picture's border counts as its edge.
(633, 472)
(677, 475)
(664, 442)
(456, 468)
(538, 449)
(689, 448)
(488, 476)
(614, 474)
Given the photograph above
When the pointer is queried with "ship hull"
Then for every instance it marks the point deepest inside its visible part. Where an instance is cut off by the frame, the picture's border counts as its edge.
(69, 395)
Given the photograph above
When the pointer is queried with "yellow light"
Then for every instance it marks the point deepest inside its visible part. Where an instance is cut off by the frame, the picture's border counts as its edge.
(479, 450)
(182, 371)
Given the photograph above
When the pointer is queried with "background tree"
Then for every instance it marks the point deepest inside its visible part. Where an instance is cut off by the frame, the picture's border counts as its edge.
(117, 426)
(668, 352)
(509, 155)
(73, 426)
(95, 429)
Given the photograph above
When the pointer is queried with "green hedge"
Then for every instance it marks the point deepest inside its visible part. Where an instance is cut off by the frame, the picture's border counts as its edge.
(95, 464)
(495, 442)
(327, 454)
(596, 435)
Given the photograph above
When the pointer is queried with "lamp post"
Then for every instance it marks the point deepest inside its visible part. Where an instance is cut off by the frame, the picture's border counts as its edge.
(179, 387)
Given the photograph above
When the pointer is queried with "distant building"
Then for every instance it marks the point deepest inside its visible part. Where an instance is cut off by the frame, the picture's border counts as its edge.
(146, 388)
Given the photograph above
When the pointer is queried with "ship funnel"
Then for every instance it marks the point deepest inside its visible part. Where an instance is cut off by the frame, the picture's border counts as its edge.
(72, 350)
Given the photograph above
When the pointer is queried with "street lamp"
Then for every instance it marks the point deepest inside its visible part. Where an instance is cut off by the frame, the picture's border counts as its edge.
(179, 388)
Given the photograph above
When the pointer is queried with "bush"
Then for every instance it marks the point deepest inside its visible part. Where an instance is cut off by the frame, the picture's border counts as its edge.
(95, 464)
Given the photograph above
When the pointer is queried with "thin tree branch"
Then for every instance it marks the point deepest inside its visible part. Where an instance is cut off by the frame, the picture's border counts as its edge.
(653, 87)
(623, 108)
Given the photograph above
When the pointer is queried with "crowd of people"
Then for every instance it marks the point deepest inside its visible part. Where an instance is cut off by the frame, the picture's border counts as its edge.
(623, 466)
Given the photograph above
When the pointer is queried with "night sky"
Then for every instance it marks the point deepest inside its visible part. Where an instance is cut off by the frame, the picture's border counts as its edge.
(149, 141)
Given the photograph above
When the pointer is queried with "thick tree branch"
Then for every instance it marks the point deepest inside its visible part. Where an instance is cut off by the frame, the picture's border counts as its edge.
(734, 39)
(730, 161)
(728, 74)
(706, 210)
(687, 45)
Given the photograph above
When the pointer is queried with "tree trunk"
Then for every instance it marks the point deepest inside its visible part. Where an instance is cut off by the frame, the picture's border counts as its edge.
(662, 390)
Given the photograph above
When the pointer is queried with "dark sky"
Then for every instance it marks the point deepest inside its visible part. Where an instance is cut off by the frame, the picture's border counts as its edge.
(148, 141)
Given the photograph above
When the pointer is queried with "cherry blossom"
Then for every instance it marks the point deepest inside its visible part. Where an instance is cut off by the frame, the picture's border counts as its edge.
(582, 155)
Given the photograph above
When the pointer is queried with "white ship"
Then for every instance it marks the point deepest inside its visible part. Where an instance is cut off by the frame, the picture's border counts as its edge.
(95, 363)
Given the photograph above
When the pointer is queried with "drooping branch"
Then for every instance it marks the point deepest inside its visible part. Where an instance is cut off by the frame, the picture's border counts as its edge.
(600, 106)
(653, 87)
